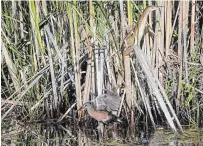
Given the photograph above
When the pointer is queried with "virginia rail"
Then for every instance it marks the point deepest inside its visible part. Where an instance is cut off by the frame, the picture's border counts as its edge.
(100, 115)
(105, 107)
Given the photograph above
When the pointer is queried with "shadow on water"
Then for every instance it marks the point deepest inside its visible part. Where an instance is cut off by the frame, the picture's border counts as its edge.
(86, 134)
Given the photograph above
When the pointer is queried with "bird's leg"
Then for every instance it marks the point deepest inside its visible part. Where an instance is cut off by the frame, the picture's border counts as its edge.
(101, 131)
(114, 131)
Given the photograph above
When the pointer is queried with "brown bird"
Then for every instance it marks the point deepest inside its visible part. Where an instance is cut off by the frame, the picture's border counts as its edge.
(100, 115)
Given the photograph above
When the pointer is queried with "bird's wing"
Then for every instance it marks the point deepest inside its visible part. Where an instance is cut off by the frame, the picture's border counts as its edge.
(99, 102)
(109, 100)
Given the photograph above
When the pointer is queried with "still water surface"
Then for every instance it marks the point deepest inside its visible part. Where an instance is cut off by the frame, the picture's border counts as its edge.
(75, 135)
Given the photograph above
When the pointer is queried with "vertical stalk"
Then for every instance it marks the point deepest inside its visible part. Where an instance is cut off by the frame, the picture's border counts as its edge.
(127, 59)
(192, 34)
(76, 58)
(160, 50)
(53, 79)
(185, 30)
(122, 32)
(168, 25)
(102, 66)
(128, 82)
(180, 50)
(14, 10)
(73, 52)
(91, 9)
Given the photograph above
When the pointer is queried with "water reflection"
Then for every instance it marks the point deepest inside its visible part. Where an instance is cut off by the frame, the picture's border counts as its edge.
(157, 138)
(87, 135)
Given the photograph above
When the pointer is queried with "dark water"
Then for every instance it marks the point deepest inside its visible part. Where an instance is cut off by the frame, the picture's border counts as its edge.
(87, 135)
(191, 137)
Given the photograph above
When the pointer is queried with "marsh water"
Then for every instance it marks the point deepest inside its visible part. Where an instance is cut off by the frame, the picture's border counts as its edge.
(114, 135)
(160, 137)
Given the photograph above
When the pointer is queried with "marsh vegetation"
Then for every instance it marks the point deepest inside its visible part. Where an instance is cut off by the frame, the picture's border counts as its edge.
(55, 56)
